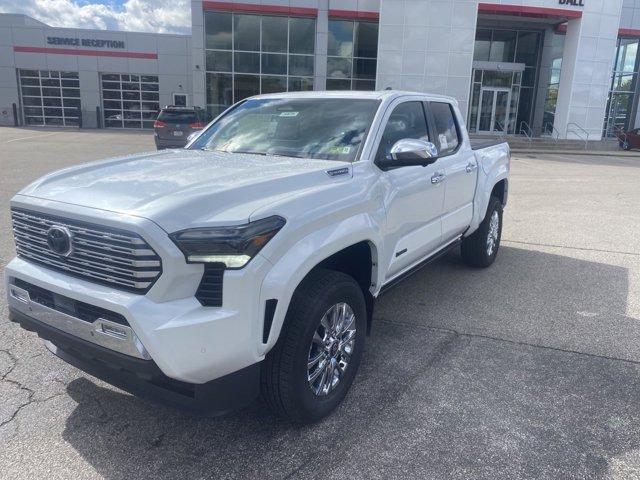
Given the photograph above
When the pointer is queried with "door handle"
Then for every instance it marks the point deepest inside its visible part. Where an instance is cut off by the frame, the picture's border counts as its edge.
(471, 167)
(437, 178)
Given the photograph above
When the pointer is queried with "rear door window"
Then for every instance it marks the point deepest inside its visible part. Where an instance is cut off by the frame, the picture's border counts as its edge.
(446, 127)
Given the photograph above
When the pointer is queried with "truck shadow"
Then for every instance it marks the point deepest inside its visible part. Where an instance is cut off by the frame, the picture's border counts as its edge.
(429, 402)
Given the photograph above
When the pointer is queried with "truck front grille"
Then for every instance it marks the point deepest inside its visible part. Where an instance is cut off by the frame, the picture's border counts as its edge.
(98, 254)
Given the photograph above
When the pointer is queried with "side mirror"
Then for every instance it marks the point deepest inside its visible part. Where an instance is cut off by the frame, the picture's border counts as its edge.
(411, 152)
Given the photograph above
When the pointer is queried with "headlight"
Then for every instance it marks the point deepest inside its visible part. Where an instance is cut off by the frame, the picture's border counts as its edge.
(233, 246)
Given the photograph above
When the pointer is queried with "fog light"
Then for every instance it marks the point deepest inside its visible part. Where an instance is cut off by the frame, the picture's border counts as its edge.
(19, 294)
(114, 331)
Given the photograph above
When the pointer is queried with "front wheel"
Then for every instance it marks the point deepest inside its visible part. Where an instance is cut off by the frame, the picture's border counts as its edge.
(310, 369)
(481, 247)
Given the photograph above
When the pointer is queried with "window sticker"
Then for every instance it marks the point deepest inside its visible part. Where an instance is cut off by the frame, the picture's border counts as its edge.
(340, 150)
(289, 114)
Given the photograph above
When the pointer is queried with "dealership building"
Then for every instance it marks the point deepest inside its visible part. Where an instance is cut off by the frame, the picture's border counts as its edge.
(565, 68)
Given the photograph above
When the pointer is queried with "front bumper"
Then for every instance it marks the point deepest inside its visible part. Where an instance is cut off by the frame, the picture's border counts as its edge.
(186, 340)
(143, 377)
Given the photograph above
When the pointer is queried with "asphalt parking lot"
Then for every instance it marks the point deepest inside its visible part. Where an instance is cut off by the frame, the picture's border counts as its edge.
(530, 369)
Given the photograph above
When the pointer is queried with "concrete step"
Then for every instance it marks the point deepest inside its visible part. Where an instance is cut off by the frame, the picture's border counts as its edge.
(550, 144)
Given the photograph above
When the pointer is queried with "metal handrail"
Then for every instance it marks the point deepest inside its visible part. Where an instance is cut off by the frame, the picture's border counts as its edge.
(622, 134)
(528, 132)
(554, 130)
(581, 129)
(502, 132)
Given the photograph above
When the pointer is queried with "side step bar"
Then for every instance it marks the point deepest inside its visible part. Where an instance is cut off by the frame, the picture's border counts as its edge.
(439, 254)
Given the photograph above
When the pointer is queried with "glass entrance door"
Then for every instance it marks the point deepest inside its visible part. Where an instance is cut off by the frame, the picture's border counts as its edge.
(493, 115)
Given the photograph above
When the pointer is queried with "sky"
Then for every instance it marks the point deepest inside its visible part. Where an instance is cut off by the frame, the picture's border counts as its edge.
(161, 16)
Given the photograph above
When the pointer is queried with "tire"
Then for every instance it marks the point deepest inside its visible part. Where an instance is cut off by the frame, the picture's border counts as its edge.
(626, 145)
(475, 248)
(285, 384)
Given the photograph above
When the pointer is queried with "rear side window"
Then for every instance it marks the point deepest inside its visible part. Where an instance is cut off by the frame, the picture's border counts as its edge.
(406, 121)
(173, 116)
(446, 127)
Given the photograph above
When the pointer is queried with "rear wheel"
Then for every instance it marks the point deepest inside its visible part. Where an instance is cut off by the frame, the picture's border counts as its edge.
(626, 145)
(481, 247)
(310, 369)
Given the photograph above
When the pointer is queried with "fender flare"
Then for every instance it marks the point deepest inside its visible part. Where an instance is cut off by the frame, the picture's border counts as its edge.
(289, 270)
(484, 187)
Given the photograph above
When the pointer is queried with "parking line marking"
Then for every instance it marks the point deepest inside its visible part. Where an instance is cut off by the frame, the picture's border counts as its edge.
(32, 136)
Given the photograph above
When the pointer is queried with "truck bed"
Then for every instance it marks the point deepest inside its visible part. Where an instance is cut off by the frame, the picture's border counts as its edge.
(480, 143)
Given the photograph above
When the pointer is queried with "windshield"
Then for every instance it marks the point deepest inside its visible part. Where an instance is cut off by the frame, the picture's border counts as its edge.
(320, 128)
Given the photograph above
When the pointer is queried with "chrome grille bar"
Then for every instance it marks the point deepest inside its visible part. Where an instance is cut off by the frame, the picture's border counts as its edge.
(100, 254)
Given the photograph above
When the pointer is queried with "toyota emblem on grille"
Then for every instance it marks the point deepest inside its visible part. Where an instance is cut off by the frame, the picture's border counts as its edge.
(59, 240)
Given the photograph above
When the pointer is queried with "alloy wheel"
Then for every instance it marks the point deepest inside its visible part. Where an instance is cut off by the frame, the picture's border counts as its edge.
(331, 349)
(492, 235)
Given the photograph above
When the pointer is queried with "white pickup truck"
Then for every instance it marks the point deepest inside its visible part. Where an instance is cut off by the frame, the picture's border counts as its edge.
(250, 261)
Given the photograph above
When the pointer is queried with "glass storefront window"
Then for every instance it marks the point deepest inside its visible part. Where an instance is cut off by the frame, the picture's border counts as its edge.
(274, 64)
(507, 46)
(626, 55)
(251, 54)
(338, 67)
(302, 35)
(525, 108)
(513, 92)
(219, 61)
(503, 46)
(340, 38)
(483, 45)
(353, 52)
(527, 48)
(246, 62)
(246, 32)
(246, 85)
(492, 78)
(273, 84)
(366, 40)
(219, 89)
(623, 87)
(218, 30)
(274, 34)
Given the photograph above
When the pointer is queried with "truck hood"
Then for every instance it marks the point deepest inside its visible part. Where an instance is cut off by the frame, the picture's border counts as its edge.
(185, 188)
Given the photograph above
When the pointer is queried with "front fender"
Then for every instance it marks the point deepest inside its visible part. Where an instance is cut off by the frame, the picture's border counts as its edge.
(291, 268)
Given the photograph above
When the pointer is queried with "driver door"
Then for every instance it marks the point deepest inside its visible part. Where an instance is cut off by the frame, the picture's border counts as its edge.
(414, 196)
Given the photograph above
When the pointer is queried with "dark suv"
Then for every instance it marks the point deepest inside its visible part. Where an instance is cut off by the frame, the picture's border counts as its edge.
(174, 125)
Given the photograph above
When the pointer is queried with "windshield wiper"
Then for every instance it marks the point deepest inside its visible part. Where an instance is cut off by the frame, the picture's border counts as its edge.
(263, 154)
(244, 152)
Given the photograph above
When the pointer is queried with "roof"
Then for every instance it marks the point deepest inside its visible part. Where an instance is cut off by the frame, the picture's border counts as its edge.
(355, 94)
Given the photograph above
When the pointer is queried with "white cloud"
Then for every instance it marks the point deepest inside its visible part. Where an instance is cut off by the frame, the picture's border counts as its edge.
(163, 16)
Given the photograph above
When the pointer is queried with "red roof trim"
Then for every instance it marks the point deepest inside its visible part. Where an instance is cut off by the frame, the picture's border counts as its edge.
(535, 12)
(87, 53)
(354, 15)
(629, 32)
(260, 9)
